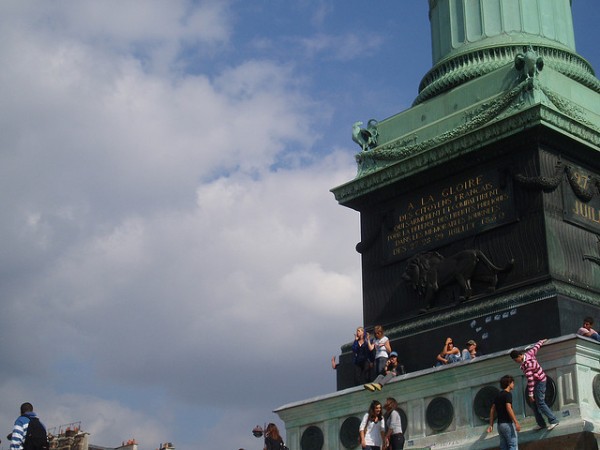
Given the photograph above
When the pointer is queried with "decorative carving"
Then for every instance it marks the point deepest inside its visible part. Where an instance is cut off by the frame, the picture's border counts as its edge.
(530, 63)
(366, 138)
(397, 150)
(592, 258)
(583, 191)
(428, 271)
(569, 108)
(465, 67)
(429, 153)
(546, 184)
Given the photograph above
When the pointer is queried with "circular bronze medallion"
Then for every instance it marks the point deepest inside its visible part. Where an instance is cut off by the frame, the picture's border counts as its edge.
(483, 402)
(596, 389)
(312, 439)
(349, 436)
(439, 414)
(550, 392)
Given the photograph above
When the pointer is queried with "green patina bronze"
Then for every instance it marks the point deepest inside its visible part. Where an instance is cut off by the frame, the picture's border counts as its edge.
(480, 219)
(479, 50)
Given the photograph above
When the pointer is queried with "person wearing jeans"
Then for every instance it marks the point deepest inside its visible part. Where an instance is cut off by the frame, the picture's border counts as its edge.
(536, 385)
(508, 425)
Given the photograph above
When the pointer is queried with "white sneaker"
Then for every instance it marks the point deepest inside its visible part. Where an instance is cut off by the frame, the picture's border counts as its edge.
(538, 428)
(552, 426)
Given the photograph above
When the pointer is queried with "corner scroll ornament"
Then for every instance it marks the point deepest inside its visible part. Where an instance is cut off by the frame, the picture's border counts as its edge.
(593, 258)
(365, 137)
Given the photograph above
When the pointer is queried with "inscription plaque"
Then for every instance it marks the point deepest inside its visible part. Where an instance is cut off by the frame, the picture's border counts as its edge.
(576, 211)
(444, 212)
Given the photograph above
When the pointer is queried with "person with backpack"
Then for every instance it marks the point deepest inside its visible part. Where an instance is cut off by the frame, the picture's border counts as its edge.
(28, 432)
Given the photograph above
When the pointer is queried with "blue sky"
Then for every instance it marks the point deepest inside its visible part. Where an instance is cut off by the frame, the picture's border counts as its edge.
(174, 266)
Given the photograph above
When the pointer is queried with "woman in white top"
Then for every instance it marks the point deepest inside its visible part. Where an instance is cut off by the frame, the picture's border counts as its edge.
(372, 428)
(382, 348)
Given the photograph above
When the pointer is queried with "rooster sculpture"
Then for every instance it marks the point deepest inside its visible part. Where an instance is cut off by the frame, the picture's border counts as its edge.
(365, 137)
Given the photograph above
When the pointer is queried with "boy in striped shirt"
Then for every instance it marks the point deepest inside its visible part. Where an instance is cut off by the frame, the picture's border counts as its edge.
(536, 385)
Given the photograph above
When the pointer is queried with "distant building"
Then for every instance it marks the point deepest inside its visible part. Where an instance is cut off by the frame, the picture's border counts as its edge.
(71, 437)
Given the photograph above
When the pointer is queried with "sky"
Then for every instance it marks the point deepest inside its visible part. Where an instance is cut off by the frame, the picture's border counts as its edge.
(173, 265)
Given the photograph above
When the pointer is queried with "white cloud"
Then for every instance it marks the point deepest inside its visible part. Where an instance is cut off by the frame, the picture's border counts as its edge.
(172, 254)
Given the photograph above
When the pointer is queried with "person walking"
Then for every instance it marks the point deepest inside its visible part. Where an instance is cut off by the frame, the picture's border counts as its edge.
(394, 436)
(536, 385)
(508, 425)
(28, 421)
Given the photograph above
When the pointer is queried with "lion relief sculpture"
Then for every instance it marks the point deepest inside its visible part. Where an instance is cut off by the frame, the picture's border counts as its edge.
(427, 272)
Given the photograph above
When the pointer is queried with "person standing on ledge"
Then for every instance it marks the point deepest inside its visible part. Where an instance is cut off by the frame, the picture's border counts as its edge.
(536, 385)
(508, 426)
(382, 348)
(361, 358)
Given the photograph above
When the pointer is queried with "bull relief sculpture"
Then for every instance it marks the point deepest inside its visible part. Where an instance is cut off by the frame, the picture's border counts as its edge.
(428, 272)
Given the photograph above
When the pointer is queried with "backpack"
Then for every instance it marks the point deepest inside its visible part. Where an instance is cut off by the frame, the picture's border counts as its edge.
(36, 437)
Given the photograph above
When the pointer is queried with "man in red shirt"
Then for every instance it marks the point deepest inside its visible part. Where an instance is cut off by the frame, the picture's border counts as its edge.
(536, 385)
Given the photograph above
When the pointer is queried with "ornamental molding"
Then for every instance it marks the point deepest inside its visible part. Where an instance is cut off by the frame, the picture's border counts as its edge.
(463, 68)
(509, 113)
(474, 309)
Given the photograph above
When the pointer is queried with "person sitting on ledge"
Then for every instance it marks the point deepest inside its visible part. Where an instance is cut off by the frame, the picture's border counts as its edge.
(470, 352)
(389, 371)
(449, 354)
(587, 330)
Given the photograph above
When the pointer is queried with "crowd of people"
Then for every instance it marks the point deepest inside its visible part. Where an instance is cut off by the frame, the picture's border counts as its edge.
(381, 427)
(378, 431)
(375, 363)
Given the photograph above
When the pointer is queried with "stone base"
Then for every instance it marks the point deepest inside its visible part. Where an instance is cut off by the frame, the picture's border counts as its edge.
(446, 407)
(581, 441)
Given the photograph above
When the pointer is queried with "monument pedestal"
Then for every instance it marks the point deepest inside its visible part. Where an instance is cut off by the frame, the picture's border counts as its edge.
(448, 407)
(480, 219)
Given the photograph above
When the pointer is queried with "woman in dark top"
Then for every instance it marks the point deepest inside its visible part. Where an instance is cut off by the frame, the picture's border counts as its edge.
(273, 439)
(362, 358)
